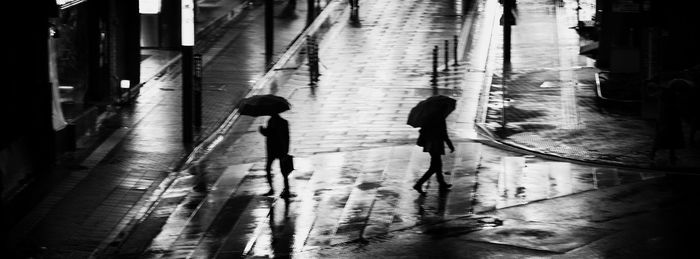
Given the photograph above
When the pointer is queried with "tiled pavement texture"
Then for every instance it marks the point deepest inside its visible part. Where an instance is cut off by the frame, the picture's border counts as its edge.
(358, 78)
(346, 197)
(355, 167)
(549, 101)
(372, 73)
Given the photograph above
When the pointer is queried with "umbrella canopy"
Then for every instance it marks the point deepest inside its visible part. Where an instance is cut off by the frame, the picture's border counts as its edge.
(261, 105)
(435, 107)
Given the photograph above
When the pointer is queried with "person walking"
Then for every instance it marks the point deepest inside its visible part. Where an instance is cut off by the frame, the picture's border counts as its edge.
(277, 144)
(432, 138)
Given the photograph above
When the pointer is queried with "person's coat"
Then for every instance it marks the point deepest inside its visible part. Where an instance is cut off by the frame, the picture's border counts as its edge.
(432, 137)
(277, 136)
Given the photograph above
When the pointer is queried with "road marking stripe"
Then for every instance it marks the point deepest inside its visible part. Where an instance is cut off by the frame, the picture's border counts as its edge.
(460, 197)
(180, 221)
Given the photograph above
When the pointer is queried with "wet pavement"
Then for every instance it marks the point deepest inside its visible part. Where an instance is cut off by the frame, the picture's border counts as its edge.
(551, 105)
(356, 160)
(357, 198)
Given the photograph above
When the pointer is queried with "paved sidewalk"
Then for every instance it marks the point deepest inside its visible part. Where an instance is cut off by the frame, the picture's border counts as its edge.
(356, 161)
(550, 99)
(114, 183)
(372, 73)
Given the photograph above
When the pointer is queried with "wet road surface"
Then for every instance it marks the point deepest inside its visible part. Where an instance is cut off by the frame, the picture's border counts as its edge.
(356, 162)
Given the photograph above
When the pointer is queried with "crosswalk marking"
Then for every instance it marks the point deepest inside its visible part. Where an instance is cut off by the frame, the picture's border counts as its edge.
(332, 201)
(180, 219)
(463, 170)
(244, 229)
(559, 179)
(405, 212)
(389, 194)
(310, 195)
(228, 216)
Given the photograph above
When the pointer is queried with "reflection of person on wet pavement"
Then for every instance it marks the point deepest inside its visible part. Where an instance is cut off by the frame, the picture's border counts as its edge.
(277, 133)
(432, 138)
(283, 231)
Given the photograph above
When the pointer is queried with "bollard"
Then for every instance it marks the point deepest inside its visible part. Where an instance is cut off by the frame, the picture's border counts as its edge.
(312, 52)
(447, 55)
(435, 65)
(310, 12)
(456, 40)
(187, 95)
(198, 91)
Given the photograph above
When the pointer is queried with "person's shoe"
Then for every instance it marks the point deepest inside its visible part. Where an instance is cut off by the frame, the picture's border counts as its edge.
(419, 189)
(287, 194)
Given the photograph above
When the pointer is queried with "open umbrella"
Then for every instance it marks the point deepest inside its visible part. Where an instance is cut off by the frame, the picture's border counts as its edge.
(261, 105)
(435, 107)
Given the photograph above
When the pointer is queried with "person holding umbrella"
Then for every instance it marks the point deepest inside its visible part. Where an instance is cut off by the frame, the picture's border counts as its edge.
(276, 133)
(430, 116)
(277, 144)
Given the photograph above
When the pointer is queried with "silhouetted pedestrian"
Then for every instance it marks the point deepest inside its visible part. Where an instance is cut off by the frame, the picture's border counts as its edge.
(277, 143)
(432, 138)
(669, 127)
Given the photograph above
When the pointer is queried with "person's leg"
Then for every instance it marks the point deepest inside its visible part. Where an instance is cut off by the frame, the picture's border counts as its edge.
(285, 176)
(432, 169)
(286, 182)
(268, 169)
(438, 171)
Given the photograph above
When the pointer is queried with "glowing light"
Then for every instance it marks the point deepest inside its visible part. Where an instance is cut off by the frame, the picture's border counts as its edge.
(125, 84)
(187, 23)
(149, 6)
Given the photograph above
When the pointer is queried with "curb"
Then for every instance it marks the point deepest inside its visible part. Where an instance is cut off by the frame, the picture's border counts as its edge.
(495, 141)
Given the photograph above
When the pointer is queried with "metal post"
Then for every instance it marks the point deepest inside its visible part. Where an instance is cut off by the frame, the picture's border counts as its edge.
(435, 72)
(310, 12)
(456, 40)
(187, 69)
(447, 55)
(269, 30)
(187, 82)
(198, 91)
(507, 18)
(312, 52)
(465, 7)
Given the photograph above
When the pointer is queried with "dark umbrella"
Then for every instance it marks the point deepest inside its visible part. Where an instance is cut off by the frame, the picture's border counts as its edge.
(438, 106)
(261, 105)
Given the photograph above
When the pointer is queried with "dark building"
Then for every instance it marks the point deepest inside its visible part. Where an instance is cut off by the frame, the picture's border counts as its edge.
(640, 45)
(67, 63)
